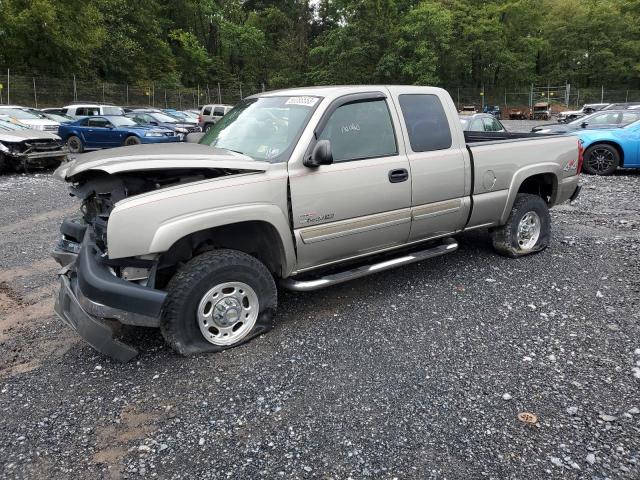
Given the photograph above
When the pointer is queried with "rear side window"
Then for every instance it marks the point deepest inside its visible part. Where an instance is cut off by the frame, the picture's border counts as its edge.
(218, 112)
(427, 123)
(98, 122)
(360, 130)
(206, 111)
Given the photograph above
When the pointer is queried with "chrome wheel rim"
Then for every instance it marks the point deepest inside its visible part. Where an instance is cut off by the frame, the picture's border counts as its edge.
(227, 312)
(74, 145)
(529, 230)
(601, 159)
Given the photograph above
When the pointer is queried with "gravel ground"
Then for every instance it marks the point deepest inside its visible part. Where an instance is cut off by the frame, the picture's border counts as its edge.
(414, 373)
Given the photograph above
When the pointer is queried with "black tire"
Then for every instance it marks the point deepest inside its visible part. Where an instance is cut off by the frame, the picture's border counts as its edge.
(207, 126)
(131, 140)
(505, 238)
(179, 324)
(75, 144)
(601, 159)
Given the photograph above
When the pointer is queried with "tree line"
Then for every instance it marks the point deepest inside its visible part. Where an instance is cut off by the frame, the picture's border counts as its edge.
(281, 43)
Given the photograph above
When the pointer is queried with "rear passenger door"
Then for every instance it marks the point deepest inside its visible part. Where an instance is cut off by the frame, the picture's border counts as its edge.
(361, 202)
(440, 169)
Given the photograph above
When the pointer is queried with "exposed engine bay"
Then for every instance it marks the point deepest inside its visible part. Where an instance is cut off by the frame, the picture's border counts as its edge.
(99, 192)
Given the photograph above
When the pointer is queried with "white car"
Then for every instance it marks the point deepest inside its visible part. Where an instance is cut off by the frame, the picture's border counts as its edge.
(30, 118)
(77, 110)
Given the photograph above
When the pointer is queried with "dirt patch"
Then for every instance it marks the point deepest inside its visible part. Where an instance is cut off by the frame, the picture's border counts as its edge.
(41, 266)
(21, 319)
(114, 441)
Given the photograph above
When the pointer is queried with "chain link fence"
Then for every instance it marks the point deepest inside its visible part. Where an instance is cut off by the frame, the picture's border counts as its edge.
(42, 92)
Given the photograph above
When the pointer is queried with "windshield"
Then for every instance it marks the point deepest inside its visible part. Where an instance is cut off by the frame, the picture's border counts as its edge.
(263, 128)
(123, 122)
(9, 125)
(19, 113)
(164, 118)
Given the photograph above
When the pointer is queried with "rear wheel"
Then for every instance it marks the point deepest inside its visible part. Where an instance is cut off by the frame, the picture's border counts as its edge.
(527, 230)
(220, 299)
(601, 159)
(132, 140)
(75, 144)
(207, 127)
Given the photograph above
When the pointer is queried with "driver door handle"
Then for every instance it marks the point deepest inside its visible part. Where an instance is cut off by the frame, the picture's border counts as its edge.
(398, 175)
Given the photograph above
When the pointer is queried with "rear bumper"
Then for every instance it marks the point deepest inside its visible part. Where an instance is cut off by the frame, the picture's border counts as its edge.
(93, 301)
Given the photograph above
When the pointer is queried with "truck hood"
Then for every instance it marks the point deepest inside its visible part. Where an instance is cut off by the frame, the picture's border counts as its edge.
(20, 135)
(159, 157)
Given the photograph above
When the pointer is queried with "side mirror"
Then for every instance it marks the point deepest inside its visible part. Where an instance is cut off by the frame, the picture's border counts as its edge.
(153, 123)
(584, 124)
(321, 155)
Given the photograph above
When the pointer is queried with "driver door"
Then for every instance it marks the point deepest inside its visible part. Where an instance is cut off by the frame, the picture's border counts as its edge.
(99, 132)
(361, 202)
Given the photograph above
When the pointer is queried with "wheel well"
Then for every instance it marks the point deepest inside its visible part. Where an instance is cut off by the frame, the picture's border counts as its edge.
(543, 184)
(611, 144)
(257, 238)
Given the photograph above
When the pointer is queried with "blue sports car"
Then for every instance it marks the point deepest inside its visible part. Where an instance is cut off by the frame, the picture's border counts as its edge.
(606, 150)
(90, 133)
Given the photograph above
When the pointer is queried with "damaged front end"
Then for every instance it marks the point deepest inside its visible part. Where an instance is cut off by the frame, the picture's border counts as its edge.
(99, 294)
(29, 154)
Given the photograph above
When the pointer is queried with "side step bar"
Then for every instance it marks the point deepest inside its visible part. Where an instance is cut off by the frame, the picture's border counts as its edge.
(448, 246)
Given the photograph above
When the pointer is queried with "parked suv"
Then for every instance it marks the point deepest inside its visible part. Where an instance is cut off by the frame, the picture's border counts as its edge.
(210, 114)
(91, 109)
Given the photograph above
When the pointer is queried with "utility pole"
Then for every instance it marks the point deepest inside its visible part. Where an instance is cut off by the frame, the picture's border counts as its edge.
(602, 95)
(75, 89)
(35, 94)
(8, 87)
(219, 94)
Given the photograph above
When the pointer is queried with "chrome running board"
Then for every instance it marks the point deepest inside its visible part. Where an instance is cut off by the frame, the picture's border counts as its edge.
(448, 246)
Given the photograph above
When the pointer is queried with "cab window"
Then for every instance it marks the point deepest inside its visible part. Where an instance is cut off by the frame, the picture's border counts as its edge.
(360, 130)
(99, 122)
(427, 123)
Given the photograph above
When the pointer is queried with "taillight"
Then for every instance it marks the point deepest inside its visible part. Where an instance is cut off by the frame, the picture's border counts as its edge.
(199, 118)
(580, 156)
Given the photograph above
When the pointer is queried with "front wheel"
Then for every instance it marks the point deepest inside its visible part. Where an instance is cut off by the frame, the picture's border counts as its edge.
(220, 299)
(528, 228)
(601, 159)
(132, 140)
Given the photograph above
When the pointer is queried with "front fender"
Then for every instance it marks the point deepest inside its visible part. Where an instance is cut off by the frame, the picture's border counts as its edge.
(170, 231)
(521, 175)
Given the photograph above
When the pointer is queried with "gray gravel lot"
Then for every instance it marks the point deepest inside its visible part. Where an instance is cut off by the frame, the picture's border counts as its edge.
(413, 373)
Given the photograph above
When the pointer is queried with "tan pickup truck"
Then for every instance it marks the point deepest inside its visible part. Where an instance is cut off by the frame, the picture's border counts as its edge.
(304, 188)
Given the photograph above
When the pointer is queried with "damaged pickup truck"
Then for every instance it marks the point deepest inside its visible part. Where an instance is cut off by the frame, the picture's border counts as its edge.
(22, 148)
(307, 188)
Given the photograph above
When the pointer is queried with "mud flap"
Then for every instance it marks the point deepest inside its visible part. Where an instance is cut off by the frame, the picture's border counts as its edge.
(96, 332)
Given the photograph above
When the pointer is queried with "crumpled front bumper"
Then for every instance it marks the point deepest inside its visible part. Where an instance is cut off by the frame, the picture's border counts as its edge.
(97, 332)
(95, 302)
